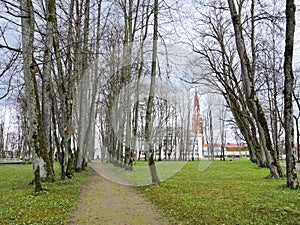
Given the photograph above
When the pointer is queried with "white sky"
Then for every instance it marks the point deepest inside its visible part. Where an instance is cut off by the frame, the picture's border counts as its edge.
(297, 36)
(4, 114)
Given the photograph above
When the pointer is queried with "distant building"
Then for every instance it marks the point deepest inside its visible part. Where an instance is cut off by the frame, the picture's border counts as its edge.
(196, 134)
(174, 139)
(236, 150)
(199, 149)
(230, 150)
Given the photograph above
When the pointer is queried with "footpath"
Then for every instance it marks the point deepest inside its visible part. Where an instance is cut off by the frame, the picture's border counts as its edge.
(105, 202)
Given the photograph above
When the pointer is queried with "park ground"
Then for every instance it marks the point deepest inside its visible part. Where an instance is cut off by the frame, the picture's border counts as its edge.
(106, 202)
(230, 192)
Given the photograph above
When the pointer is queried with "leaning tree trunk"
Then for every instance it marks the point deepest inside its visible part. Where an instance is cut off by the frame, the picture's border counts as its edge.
(292, 180)
(253, 103)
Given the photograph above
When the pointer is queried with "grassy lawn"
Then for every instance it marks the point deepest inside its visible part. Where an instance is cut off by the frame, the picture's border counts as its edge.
(140, 174)
(20, 205)
(230, 192)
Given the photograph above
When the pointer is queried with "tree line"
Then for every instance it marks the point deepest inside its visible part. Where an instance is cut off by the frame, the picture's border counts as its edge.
(86, 70)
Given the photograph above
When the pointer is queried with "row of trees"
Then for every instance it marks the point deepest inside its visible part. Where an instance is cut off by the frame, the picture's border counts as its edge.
(60, 85)
(67, 52)
(241, 44)
(86, 63)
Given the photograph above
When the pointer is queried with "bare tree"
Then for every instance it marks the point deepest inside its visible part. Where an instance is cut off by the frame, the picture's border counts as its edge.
(46, 77)
(64, 84)
(150, 102)
(41, 157)
(83, 72)
(248, 72)
(217, 55)
(296, 117)
(2, 153)
(292, 180)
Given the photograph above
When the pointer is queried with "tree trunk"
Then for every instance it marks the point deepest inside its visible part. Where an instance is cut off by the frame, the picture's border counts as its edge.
(298, 138)
(62, 113)
(46, 77)
(292, 180)
(83, 84)
(211, 136)
(223, 135)
(36, 132)
(94, 76)
(150, 102)
(27, 21)
(187, 149)
(253, 103)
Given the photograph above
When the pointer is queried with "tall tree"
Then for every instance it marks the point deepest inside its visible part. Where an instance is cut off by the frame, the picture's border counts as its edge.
(292, 180)
(252, 100)
(150, 102)
(33, 110)
(46, 76)
(82, 71)
(62, 105)
(217, 53)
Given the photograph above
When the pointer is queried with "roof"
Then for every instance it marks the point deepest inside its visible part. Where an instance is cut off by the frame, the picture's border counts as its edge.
(233, 145)
(229, 145)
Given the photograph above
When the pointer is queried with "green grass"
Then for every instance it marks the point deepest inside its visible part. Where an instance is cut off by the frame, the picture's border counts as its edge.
(230, 192)
(141, 175)
(20, 205)
(9, 160)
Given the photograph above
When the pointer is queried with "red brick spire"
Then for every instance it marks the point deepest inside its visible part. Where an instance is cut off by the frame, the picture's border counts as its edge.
(197, 126)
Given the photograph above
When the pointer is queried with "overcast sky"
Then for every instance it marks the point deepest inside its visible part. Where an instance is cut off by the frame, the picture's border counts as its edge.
(297, 36)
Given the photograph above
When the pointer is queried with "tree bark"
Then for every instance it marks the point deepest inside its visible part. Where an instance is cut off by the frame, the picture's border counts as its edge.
(83, 83)
(292, 180)
(63, 107)
(253, 103)
(150, 102)
(27, 22)
(89, 140)
(37, 134)
(46, 77)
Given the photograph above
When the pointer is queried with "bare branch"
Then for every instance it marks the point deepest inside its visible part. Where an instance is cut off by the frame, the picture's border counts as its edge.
(10, 48)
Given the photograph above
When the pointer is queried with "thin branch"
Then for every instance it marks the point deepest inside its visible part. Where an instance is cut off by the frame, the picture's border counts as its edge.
(11, 48)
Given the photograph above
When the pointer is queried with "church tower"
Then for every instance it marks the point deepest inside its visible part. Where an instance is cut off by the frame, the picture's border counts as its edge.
(197, 125)
(197, 137)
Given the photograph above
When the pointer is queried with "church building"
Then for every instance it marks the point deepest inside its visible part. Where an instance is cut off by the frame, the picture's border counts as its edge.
(196, 133)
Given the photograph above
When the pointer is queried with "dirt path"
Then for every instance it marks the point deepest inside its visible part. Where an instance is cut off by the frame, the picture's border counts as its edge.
(105, 202)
